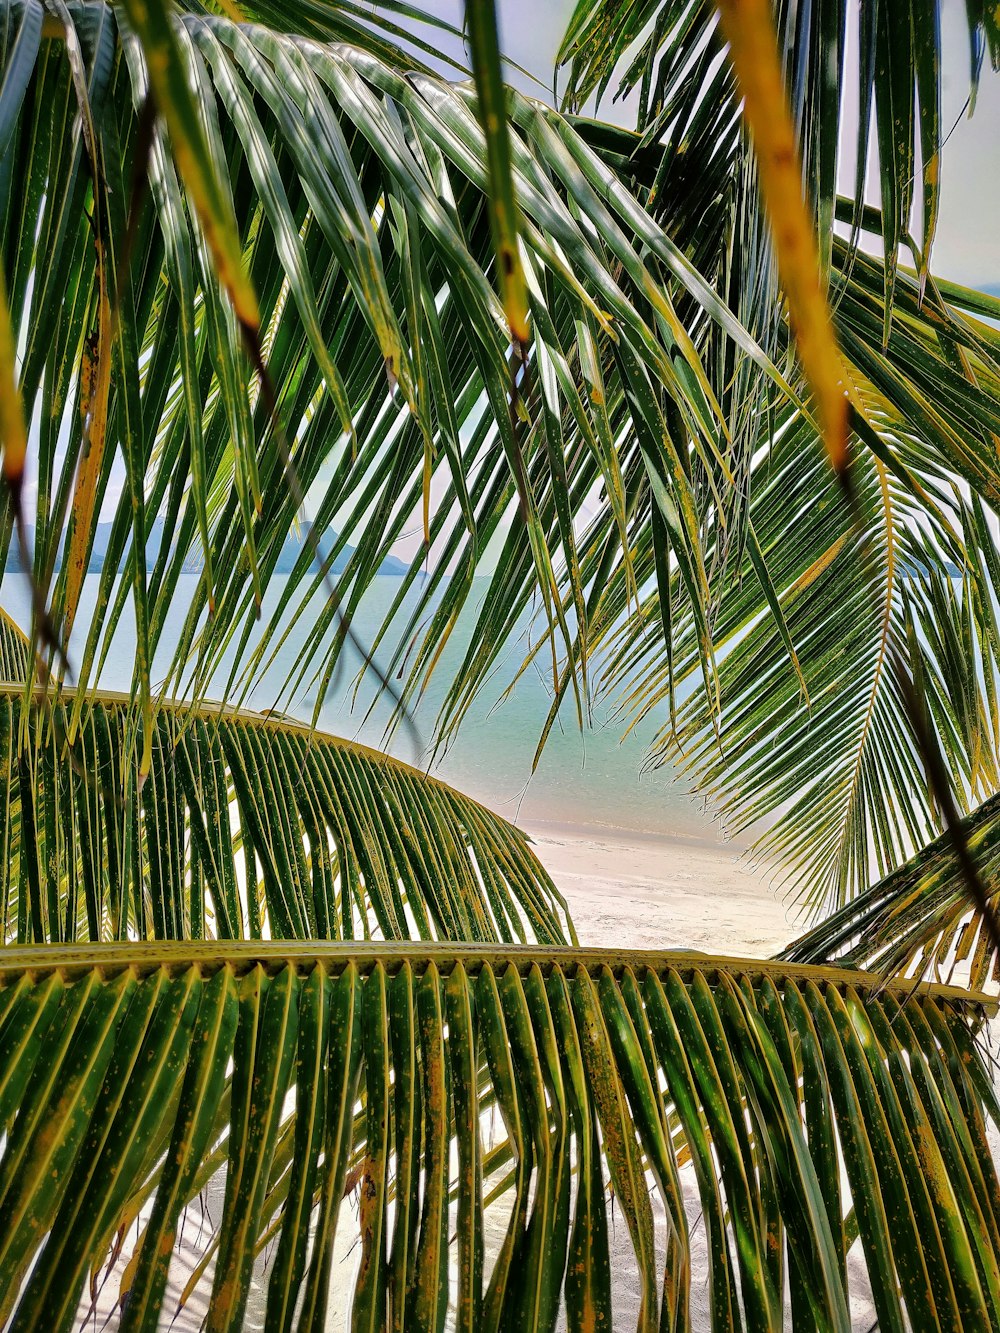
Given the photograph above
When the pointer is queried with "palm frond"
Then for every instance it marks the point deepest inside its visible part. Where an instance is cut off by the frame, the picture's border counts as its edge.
(657, 487)
(832, 1138)
(917, 921)
(360, 195)
(645, 405)
(837, 788)
(15, 650)
(803, 739)
(394, 30)
(662, 50)
(247, 827)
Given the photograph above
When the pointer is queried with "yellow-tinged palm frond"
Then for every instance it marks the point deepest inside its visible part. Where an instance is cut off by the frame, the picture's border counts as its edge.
(647, 405)
(830, 1129)
(821, 1130)
(667, 52)
(247, 826)
(360, 192)
(806, 740)
(15, 650)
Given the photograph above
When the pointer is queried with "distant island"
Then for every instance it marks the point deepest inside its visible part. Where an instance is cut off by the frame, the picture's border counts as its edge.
(292, 548)
(917, 569)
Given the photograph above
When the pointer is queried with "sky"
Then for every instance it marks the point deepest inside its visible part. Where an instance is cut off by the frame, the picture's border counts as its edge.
(968, 244)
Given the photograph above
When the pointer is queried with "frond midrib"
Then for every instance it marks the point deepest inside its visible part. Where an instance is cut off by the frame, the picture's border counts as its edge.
(72, 961)
(215, 711)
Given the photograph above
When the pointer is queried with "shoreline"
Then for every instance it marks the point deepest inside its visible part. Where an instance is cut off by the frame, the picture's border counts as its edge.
(552, 828)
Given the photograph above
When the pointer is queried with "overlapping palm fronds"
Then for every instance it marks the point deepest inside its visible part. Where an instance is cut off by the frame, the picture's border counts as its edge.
(809, 731)
(644, 404)
(808, 742)
(247, 827)
(394, 30)
(706, 1083)
(918, 919)
(666, 53)
(359, 191)
(653, 481)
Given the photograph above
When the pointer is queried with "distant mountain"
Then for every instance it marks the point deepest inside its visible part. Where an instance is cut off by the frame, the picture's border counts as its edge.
(293, 546)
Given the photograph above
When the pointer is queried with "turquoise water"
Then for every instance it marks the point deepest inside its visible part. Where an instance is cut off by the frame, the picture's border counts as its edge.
(587, 780)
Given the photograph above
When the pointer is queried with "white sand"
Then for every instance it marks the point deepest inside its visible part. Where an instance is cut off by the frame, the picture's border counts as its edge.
(642, 891)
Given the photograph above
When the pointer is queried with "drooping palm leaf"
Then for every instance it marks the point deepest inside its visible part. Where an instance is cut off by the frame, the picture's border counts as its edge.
(129, 1083)
(621, 420)
(360, 196)
(394, 30)
(809, 731)
(247, 827)
(913, 356)
(730, 1088)
(918, 919)
(894, 62)
(808, 744)
(841, 776)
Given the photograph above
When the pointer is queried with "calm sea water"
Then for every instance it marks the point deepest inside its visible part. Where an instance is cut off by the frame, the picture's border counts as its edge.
(591, 779)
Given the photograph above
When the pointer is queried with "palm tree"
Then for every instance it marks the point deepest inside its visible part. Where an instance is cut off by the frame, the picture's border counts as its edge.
(249, 262)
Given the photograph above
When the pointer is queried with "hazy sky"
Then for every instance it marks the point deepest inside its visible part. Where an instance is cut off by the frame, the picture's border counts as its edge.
(968, 247)
(968, 244)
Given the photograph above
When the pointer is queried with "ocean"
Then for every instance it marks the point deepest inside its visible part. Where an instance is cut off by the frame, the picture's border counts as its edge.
(587, 780)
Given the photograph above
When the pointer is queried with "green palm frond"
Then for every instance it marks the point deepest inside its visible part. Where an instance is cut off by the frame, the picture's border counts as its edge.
(360, 195)
(918, 920)
(394, 30)
(808, 742)
(832, 1138)
(806, 728)
(15, 650)
(804, 738)
(260, 1034)
(643, 425)
(248, 826)
(663, 50)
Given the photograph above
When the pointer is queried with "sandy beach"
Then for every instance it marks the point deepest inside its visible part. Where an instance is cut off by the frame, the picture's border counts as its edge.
(650, 891)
